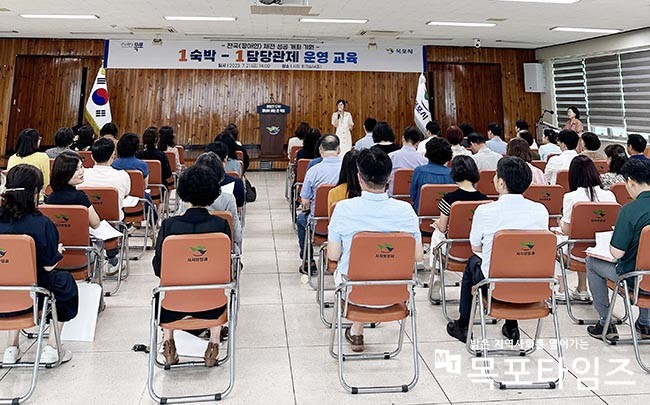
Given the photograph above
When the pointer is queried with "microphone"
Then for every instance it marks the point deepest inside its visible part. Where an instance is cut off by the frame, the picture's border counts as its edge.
(339, 116)
(549, 111)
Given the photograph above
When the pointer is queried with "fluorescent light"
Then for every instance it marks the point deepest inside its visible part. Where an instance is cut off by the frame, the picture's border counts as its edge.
(333, 20)
(588, 30)
(62, 16)
(461, 24)
(190, 18)
(545, 1)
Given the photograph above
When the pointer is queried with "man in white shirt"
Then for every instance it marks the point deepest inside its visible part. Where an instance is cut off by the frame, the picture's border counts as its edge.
(485, 158)
(366, 142)
(495, 139)
(568, 141)
(512, 178)
(407, 157)
(433, 130)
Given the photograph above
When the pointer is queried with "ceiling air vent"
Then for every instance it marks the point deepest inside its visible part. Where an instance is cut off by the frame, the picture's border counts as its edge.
(281, 7)
(153, 30)
(379, 33)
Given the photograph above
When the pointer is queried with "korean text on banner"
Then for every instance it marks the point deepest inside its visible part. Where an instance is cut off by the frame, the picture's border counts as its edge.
(422, 114)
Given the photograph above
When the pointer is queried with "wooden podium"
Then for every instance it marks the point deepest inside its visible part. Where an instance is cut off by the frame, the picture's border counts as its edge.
(273, 126)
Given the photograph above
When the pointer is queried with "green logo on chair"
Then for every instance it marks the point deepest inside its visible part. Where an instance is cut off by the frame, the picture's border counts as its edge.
(2, 252)
(198, 250)
(95, 197)
(545, 194)
(62, 218)
(527, 245)
(599, 213)
(386, 248)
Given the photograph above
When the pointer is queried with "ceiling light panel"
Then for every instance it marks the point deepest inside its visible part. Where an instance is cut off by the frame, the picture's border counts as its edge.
(461, 24)
(199, 18)
(587, 30)
(62, 16)
(334, 20)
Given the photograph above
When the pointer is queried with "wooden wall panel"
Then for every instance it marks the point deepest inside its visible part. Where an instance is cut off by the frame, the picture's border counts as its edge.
(516, 102)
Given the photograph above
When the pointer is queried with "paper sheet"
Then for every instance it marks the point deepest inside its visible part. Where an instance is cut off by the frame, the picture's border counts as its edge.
(82, 327)
(130, 201)
(105, 231)
(188, 345)
(601, 250)
(228, 188)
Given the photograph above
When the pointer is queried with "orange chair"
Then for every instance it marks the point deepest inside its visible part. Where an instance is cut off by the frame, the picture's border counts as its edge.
(634, 287)
(290, 174)
(551, 196)
(595, 217)
(520, 286)
(452, 253)
(381, 274)
(51, 164)
(316, 231)
(602, 166)
(195, 276)
(181, 153)
(486, 184)
(233, 174)
(402, 185)
(622, 195)
(18, 293)
(301, 171)
(138, 213)
(236, 249)
(86, 158)
(562, 179)
(540, 164)
(158, 188)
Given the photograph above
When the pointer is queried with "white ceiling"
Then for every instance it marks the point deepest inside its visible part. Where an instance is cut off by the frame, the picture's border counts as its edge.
(526, 25)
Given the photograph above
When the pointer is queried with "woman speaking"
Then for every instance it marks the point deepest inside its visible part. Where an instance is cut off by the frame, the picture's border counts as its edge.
(342, 121)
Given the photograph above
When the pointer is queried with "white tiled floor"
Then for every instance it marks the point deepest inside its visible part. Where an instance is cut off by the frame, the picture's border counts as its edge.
(282, 355)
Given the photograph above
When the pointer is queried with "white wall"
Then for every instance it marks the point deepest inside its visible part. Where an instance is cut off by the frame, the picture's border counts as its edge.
(629, 41)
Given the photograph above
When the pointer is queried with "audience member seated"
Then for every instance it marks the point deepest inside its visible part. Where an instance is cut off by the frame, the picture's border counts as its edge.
(197, 187)
(512, 178)
(616, 158)
(632, 218)
(151, 152)
(19, 215)
(466, 128)
(433, 130)
(591, 146)
(231, 185)
(374, 211)
(234, 132)
(636, 145)
(366, 142)
(309, 148)
(27, 152)
(231, 162)
(584, 186)
(521, 125)
(110, 131)
(384, 137)
(434, 172)
(495, 139)
(528, 137)
(550, 146)
(455, 136)
(167, 143)
(519, 148)
(485, 158)
(316, 160)
(84, 138)
(568, 141)
(407, 157)
(63, 140)
(299, 135)
(326, 172)
(348, 184)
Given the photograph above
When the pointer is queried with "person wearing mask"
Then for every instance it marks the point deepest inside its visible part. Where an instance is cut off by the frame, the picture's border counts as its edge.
(550, 146)
(568, 141)
(407, 157)
(485, 158)
(63, 140)
(636, 145)
(342, 121)
(27, 152)
(616, 158)
(433, 130)
(495, 139)
(384, 138)
(591, 146)
(348, 184)
(434, 172)
(519, 148)
(366, 142)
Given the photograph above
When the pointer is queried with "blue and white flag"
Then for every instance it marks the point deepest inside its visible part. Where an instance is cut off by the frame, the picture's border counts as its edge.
(98, 109)
(422, 114)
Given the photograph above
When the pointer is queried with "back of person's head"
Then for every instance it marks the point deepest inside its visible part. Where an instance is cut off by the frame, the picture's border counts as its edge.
(212, 161)
(637, 143)
(369, 124)
(467, 128)
(23, 183)
(64, 167)
(128, 145)
(584, 174)
(412, 135)
(329, 143)
(383, 133)
(301, 130)
(617, 157)
(166, 138)
(63, 137)
(522, 125)
(219, 148)
(102, 150)
(86, 136)
(569, 138)
(526, 136)
(310, 143)
(109, 129)
(637, 170)
(374, 167)
(150, 138)
(227, 138)
(519, 147)
(27, 142)
(197, 186)
(515, 173)
(433, 127)
(591, 141)
(234, 131)
(551, 136)
(464, 168)
(495, 129)
(438, 151)
(454, 135)
(348, 174)
(476, 138)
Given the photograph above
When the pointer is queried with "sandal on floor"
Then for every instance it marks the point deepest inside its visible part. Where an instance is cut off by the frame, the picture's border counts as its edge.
(211, 354)
(169, 352)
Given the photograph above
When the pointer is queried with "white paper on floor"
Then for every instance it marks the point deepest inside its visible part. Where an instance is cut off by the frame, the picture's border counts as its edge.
(82, 327)
(188, 345)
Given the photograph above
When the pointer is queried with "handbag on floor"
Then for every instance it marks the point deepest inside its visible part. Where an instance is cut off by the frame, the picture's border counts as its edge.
(251, 192)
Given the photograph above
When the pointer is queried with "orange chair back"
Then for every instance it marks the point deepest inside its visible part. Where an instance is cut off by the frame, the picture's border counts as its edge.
(293, 152)
(430, 196)
(105, 201)
(551, 196)
(73, 223)
(227, 216)
(402, 184)
(602, 166)
(523, 254)
(381, 256)
(620, 192)
(589, 218)
(562, 179)
(301, 170)
(181, 153)
(196, 259)
(540, 164)
(136, 213)
(17, 268)
(643, 257)
(320, 208)
(232, 174)
(86, 158)
(460, 224)
(240, 155)
(155, 177)
(51, 164)
(172, 160)
(486, 183)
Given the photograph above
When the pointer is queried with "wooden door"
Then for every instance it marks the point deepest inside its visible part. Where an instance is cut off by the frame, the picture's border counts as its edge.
(47, 95)
(469, 92)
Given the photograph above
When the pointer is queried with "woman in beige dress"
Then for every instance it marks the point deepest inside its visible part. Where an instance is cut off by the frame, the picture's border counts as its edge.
(342, 121)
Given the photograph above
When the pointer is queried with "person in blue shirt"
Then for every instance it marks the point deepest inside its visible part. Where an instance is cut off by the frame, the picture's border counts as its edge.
(495, 139)
(636, 145)
(434, 172)
(366, 142)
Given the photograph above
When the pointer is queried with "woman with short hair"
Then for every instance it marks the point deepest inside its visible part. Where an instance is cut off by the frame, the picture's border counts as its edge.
(63, 140)
(455, 136)
(520, 148)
